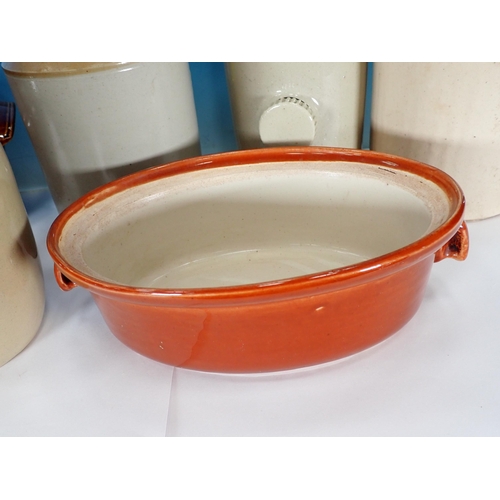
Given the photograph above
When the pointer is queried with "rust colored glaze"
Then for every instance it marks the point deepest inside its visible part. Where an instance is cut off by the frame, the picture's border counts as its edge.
(271, 335)
(288, 324)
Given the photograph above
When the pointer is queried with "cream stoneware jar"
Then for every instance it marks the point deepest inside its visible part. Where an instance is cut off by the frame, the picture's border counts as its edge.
(446, 115)
(22, 298)
(317, 104)
(91, 123)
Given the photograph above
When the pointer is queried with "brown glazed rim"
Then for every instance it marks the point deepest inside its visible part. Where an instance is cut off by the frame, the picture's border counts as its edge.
(311, 284)
(55, 69)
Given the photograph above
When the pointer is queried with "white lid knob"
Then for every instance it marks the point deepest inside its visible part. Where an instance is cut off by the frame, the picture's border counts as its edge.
(288, 121)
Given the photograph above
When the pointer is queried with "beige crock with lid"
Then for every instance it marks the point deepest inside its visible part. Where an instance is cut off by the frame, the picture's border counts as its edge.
(22, 298)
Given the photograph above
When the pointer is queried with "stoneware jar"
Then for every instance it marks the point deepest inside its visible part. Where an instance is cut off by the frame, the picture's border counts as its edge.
(22, 298)
(317, 104)
(446, 115)
(91, 123)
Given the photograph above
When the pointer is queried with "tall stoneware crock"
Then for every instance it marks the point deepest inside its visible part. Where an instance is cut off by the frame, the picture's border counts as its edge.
(446, 115)
(22, 298)
(91, 123)
(308, 104)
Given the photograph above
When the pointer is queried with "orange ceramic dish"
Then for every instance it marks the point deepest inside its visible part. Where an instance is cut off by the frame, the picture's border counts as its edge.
(261, 260)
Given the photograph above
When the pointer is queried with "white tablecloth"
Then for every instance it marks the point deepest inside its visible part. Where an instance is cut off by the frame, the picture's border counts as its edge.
(438, 376)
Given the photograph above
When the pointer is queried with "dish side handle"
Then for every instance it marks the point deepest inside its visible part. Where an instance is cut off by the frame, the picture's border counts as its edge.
(457, 247)
(64, 282)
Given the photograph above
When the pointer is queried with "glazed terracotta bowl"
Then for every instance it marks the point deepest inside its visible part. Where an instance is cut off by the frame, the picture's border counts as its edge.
(261, 260)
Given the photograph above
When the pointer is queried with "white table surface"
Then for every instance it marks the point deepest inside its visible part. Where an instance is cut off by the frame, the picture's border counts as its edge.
(438, 376)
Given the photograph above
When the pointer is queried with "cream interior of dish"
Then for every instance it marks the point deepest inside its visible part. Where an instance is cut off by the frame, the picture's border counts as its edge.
(248, 224)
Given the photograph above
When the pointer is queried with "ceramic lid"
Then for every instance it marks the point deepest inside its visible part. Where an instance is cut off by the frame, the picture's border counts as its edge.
(56, 68)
